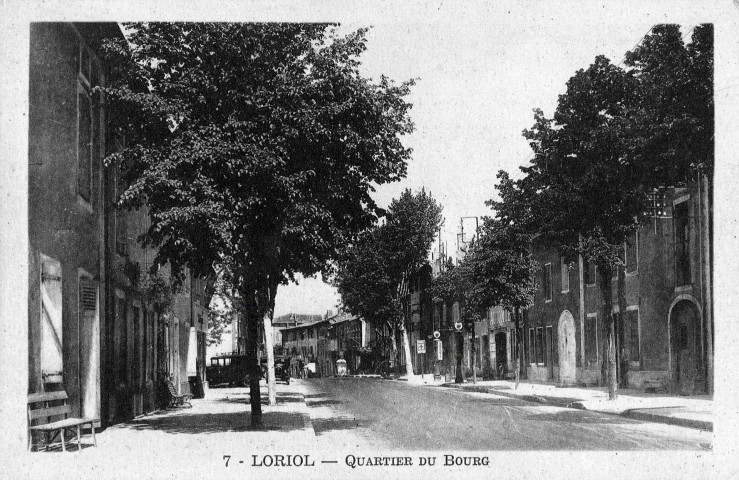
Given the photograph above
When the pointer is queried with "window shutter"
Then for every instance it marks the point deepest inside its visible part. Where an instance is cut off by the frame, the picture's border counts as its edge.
(88, 295)
(52, 356)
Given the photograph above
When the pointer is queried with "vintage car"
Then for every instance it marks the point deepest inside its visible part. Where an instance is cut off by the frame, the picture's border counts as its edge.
(227, 369)
(282, 368)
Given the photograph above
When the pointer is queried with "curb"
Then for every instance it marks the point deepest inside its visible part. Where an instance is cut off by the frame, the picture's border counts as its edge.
(503, 393)
(634, 414)
(307, 422)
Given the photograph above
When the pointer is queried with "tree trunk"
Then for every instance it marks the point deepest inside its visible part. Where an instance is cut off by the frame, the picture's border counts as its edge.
(609, 359)
(407, 349)
(517, 343)
(269, 347)
(459, 353)
(252, 357)
(393, 335)
(623, 371)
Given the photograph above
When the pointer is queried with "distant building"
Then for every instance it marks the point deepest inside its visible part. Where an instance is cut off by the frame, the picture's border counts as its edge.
(289, 320)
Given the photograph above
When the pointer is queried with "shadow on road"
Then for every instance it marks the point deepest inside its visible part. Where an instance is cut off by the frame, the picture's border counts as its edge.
(317, 403)
(265, 400)
(578, 416)
(205, 423)
(325, 425)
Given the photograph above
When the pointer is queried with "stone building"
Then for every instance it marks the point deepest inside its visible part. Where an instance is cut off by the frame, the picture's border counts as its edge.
(66, 207)
(93, 328)
(666, 336)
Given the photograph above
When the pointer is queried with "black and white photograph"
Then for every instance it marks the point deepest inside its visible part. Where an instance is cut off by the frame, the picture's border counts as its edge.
(368, 240)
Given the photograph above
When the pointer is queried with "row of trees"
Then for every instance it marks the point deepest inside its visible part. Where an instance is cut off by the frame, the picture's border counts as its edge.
(255, 148)
(373, 275)
(617, 135)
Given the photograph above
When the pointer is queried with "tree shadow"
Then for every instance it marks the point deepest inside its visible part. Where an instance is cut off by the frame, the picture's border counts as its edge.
(579, 416)
(264, 400)
(324, 425)
(206, 423)
(317, 403)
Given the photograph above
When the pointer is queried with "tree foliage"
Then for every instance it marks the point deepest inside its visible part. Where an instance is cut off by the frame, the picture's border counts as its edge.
(254, 146)
(246, 138)
(373, 276)
(498, 268)
(616, 135)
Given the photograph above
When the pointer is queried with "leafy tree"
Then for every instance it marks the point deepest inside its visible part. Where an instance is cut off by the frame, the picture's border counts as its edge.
(615, 136)
(671, 128)
(373, 277)
(497, 269)
(583, 196)
(254, 146)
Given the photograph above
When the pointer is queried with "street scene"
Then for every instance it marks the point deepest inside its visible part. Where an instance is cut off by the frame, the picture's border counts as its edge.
(329, 248)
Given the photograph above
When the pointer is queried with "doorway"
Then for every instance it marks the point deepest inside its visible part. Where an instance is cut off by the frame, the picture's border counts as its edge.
(685, 350)
(549, 352)
(501, 354)
(567, 352)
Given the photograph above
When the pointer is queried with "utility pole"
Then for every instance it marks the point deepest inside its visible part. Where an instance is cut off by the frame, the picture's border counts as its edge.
(458, 378)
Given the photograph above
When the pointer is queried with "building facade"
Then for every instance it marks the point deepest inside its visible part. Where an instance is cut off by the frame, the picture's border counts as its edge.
(665, 337)
(94, 330)
(66, 203)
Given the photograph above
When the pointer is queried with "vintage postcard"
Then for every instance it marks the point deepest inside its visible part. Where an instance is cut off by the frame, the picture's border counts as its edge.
(368, 239)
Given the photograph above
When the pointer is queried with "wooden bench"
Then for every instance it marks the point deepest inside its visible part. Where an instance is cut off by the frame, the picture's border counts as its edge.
(40, 409)
(176, 400)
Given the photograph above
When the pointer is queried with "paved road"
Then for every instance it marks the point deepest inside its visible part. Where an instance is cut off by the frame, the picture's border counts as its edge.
(369, 413)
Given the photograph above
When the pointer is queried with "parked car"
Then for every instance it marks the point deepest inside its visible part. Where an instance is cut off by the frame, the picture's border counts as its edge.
(282, 368)
(227, 369)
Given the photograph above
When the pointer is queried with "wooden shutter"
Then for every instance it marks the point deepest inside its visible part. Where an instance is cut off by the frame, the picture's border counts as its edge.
(52, 356)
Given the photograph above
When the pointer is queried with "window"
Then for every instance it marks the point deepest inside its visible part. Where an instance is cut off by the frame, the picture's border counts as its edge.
(122, 337)
(682, 244)
(136, 367)
(539, 345)
(532, 346)
(589, 274)
(88, 135)
(591, 340)
(547, 284)
(151, 321)
(631, 335)
(632, 253)
(84, 144)
(565, 268)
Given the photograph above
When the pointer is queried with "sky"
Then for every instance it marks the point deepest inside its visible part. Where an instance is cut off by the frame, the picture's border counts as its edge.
(481, 68)
(477, 82)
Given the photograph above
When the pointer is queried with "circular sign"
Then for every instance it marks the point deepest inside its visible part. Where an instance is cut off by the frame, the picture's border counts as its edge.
(437, 334)
(458, 326)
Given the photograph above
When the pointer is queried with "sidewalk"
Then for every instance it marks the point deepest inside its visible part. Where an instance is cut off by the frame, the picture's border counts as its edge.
(224, 416)
(693, 411)
(186, 443)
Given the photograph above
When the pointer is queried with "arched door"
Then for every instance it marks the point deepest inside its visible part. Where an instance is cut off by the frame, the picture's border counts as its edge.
(567, 353)
(685, 349)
